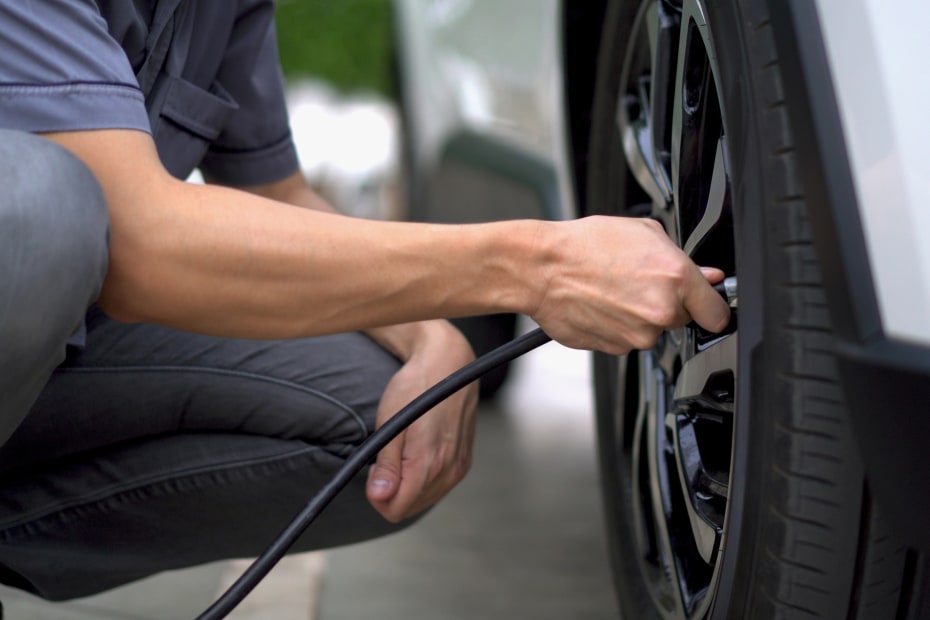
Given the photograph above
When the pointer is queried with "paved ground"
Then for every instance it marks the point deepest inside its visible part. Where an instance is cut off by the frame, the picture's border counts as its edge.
(522, 537)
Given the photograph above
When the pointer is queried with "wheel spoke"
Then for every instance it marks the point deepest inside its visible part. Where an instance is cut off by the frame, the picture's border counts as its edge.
(660, 495)
(640, 468)
(662, 27)
(697, 486)
(650, 489)
(698, 156)
(678, 120)
(635, 133)
(695, 382)
(716, 199)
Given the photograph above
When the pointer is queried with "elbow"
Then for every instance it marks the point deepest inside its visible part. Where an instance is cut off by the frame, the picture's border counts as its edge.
(119, 302)
(129, 292)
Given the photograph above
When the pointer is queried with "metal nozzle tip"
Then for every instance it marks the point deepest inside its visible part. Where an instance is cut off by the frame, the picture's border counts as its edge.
(728, 291)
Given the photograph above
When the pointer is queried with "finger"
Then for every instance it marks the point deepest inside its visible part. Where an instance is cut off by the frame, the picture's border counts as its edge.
(712, 274)
(384, 476)
(428, 466)
(422, 469)
(703, 303)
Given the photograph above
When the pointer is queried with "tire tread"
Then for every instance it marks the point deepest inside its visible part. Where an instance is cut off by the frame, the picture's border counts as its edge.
(805, 366)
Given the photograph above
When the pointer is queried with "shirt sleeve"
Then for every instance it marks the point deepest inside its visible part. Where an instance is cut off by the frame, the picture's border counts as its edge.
(60, 70)
(255, 146)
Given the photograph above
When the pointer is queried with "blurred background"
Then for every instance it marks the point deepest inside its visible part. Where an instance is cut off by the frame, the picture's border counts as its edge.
(338, 59)
(348, 44)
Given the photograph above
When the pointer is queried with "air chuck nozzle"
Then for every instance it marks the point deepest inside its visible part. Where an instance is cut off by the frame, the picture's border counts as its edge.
(727, 290)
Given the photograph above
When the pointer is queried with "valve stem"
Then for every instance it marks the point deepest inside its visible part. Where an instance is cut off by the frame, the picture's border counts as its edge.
(728, 291)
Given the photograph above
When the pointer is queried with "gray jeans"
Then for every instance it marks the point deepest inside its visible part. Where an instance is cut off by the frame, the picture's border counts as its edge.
(149, 448)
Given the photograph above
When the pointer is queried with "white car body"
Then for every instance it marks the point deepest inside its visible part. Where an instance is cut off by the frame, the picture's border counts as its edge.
(875, 54)
(488, 68)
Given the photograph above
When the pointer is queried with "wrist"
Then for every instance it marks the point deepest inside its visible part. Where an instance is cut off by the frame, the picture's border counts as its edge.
(400, 340)
(409, 339)
(525, 255)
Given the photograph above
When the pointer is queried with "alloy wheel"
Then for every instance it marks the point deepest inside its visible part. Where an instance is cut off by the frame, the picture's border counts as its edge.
(675, 417)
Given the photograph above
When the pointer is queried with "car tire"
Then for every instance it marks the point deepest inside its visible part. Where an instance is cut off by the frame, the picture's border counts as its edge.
(731, 480)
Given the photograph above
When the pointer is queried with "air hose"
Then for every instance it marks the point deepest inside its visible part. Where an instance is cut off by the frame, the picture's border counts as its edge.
(359, 459)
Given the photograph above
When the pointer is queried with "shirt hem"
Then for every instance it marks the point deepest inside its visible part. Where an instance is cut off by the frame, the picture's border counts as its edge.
(72, 106)
(252, 167)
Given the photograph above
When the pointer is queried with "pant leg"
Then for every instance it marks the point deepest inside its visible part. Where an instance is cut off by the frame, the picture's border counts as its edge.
(155, 449)
(53, 257)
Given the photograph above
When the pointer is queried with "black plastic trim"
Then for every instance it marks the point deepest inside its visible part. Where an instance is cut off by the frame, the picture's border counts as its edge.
(886, 382)
(887, 388)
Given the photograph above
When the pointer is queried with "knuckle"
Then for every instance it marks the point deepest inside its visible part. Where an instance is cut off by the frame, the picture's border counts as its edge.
(680, 271)
(388, 464)
(462, 467)
(645, 339)
(652, 223)
(659, 315)
(675, 268)
(620, 349)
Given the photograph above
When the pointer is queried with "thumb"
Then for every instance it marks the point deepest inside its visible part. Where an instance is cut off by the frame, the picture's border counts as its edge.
(712, 274)
(384, 475)
(703, 303)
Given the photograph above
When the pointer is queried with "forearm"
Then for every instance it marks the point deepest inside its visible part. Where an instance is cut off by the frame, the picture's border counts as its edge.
(216, 260)
(403, 339)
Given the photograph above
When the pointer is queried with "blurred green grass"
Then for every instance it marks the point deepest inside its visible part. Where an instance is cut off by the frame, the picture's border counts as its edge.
(348, 43)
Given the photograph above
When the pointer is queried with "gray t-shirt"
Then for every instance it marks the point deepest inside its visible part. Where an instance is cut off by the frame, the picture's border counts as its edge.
(201, 76)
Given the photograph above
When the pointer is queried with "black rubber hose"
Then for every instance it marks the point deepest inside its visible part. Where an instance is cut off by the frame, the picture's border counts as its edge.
(361, 457)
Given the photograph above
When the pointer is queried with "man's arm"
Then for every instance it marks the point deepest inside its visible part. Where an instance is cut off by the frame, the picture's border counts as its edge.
(245, 263)
(221, 261)
(428, 459)
(226, 262)
(294, 190)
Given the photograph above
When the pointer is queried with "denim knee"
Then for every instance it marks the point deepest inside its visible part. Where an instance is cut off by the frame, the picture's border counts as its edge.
(53, 258)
